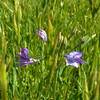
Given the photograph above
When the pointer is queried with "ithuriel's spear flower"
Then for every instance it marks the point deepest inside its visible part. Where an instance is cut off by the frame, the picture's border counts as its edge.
(74, 59)
(42, 34)
(24, 59)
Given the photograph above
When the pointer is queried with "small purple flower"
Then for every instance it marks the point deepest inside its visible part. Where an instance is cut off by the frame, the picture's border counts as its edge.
(24, 59)
(42, 34)
(74, 59)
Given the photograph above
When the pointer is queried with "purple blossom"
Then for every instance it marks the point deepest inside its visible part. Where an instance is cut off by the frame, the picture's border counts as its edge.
(74, 59)
(24, 59)
(42, 34)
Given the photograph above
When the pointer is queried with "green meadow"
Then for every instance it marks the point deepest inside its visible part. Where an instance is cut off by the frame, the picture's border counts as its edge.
(71, 25)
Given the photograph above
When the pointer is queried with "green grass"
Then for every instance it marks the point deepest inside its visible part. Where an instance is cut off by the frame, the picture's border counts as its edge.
(70, 25)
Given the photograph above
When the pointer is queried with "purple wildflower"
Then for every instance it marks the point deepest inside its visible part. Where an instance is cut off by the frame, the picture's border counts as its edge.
(42, 34)
(24, 58)
(74, 59)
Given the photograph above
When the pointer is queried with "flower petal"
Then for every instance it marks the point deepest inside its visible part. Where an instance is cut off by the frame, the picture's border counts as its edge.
(42, 34)
(74, 58)
(79, 60)
(73, 64)
(75, 54)
(24, 59)
(25, 63)
(24, 52)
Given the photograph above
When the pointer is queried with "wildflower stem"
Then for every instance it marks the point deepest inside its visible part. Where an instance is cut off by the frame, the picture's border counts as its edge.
(42, 56)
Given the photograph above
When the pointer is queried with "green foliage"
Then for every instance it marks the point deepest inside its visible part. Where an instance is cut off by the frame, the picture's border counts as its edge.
(70, 25)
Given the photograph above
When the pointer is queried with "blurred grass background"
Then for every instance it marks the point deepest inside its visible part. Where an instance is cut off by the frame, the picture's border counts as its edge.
(70, 25)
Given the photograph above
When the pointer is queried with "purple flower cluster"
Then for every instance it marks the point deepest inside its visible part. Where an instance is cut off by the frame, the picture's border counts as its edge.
(24, 58)
(42, 34)
(73, 58)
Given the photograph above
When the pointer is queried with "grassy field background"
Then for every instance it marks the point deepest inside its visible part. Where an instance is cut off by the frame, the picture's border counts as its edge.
(71, 25)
